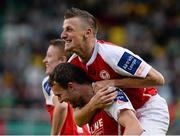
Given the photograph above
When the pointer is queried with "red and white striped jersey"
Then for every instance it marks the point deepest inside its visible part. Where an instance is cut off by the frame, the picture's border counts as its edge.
(109, 61)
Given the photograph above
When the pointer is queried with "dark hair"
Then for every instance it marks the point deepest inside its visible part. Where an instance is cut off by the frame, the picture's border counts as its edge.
(89, 18)
(67, 72)
(60, 43)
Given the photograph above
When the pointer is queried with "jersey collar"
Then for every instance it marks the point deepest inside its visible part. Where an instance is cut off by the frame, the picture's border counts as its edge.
(94, 54)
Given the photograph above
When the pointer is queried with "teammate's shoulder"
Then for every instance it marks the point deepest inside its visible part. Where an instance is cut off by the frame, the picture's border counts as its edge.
(45, 79)
(104, 44)
(108, 49)
(45, 86)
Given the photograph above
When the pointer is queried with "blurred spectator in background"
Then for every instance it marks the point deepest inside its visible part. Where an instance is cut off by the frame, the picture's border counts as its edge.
(148, 28)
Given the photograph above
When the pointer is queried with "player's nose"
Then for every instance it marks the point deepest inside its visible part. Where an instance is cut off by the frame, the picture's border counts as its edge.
(63, 35)
(44, 60)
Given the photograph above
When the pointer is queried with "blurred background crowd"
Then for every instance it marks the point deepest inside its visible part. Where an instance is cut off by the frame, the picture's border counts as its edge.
(150, 28)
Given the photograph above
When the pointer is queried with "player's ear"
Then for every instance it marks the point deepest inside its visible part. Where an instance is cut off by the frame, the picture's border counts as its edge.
(70, 85)
(88, 32)
(63, 59)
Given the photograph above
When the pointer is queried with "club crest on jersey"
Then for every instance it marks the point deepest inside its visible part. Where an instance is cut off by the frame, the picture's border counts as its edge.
(121, 97)
(129, 63)
(104, 74)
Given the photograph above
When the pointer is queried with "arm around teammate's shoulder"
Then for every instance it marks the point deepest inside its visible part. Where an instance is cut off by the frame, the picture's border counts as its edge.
(155, 77)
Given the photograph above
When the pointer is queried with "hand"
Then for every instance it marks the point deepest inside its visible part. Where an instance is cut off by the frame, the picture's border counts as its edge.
(100, 84)
(103, 97)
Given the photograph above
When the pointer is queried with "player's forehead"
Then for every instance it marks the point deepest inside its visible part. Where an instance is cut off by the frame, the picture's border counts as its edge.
(73, 22)
(53, 49)
(50, 48)
(56, 87)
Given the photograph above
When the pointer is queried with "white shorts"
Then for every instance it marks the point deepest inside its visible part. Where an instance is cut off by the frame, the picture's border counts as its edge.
(154, 116)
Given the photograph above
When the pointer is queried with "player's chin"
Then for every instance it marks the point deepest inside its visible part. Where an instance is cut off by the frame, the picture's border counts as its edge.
(68, 47)
(74, 105)
(61, 101)
(65, 100)
(47, 72)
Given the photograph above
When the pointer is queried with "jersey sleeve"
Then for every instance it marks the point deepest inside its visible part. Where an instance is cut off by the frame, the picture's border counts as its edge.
(120, 102)
(123, 61)
(48, 94)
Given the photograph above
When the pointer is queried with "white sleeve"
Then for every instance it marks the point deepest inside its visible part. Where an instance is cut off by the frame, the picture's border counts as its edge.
(48, 93)
(123, 61)
(121, 102)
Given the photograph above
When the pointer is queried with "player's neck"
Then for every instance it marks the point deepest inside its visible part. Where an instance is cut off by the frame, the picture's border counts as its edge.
(88, 51)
